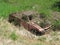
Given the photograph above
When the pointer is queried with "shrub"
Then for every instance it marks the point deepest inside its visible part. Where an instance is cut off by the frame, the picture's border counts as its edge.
(56, 6)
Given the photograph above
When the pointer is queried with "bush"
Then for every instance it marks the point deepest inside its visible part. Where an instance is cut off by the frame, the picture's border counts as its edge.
(56, 6)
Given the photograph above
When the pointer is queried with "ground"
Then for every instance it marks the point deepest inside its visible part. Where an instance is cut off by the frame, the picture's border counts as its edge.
(12, 35)
(24, 37)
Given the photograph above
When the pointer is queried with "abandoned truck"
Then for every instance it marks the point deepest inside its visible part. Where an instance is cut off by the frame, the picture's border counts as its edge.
(27, 19)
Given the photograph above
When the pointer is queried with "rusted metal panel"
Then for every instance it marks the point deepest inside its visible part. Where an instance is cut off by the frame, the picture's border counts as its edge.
(27, 25)
(24, 24)
(32, 25)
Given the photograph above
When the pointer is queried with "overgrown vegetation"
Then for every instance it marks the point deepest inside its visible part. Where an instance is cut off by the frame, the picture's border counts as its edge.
(42, 6)
(56, 25)
(56, 6)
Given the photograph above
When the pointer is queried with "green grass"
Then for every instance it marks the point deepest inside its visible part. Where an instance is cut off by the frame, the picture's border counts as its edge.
(10, 6)
(42, 6)
(13, 36)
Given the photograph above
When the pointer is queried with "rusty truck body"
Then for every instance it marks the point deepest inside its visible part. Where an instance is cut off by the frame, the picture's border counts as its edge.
(29, 25)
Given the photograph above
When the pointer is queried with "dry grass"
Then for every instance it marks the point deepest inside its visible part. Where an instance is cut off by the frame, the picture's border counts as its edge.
(24, 37)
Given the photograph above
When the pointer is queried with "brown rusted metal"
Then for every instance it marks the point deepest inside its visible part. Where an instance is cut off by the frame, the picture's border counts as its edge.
(30, 25)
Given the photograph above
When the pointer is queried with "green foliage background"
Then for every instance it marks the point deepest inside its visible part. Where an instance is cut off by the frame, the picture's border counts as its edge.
(42, 6)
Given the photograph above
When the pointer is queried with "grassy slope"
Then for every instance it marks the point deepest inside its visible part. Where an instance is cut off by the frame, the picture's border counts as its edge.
(10, 36)
(42, 6)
